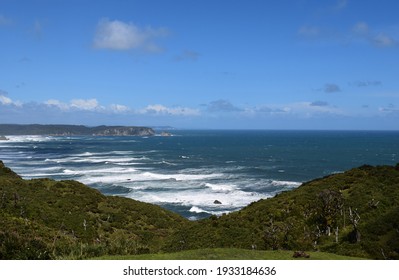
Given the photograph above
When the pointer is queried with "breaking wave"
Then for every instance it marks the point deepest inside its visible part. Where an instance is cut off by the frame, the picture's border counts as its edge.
(195, 174)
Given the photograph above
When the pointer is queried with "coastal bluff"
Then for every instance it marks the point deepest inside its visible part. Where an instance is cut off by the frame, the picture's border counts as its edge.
(74, 130)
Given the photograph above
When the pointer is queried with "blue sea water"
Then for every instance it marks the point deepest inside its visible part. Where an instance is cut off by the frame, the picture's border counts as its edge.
(191, 170)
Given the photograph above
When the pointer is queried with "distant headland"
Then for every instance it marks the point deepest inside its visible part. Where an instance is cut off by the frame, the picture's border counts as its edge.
(74, 130)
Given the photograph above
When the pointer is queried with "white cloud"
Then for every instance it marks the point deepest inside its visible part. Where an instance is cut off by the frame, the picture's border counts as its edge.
(158, 109)
(5, 100)
(319, 103)
(383, 40)
(118, 35)
(92, 105)
(380, 40)
(57, 103)
(116, 108)
(81, 105)
(85, 104)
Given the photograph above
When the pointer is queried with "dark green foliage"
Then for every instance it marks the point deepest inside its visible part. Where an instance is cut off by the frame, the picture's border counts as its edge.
(315, 216)
(14, 246)
(43, 218)
(355, 213)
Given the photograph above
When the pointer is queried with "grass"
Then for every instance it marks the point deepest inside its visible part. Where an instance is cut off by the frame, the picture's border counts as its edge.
(228, 254)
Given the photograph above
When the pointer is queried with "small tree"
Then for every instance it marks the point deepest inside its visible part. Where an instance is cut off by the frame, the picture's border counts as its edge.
(354, 218)
(330, 204)
(271, 235)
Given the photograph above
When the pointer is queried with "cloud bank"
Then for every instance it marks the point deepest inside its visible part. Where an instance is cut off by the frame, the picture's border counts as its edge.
(220, 113)
(158, 109)
(121, 36)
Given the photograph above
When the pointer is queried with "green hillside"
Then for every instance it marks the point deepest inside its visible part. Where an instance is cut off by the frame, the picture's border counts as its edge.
(355, 213)
(43, 218)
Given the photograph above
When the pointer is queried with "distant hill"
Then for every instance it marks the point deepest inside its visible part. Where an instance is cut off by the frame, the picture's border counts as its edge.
(355, 213)
(74, 130)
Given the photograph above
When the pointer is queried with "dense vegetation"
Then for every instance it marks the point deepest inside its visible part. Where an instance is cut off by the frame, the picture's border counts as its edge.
(355, 213)
(43, 219)
(39, 129)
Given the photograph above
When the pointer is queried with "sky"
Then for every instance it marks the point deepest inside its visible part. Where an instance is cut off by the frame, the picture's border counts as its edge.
(206, 64)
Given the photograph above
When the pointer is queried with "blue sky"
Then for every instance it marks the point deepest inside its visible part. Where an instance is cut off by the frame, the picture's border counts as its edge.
(302, 64)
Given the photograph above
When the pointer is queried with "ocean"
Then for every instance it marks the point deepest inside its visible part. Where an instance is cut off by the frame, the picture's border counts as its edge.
(199, 173)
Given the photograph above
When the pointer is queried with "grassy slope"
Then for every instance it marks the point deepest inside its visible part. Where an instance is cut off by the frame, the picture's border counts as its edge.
(228, 254)
(298, 219)
(44, 218)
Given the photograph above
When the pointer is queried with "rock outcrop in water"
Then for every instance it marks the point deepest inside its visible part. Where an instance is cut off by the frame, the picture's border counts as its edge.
(74, 130)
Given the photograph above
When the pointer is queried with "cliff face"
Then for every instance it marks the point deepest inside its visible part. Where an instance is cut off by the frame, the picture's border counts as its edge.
(122, 131)
(71, 130)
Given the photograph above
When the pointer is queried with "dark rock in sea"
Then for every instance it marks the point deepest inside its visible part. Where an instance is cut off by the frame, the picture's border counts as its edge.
(164, 133)
(3, 138)
(217, 202)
